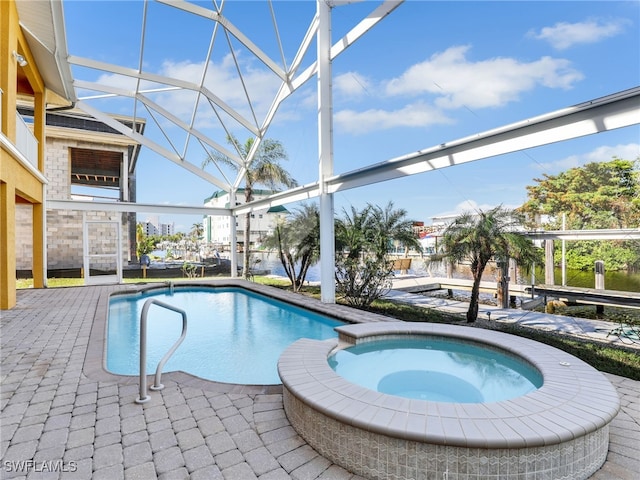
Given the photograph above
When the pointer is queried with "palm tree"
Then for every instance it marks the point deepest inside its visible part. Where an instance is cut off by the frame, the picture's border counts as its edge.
(197, 230)
(262, 169)
(145, 244)
(297, 241)
(388, 225)
(350, 232)
(373, 230)
(363, 239)
(483, 236)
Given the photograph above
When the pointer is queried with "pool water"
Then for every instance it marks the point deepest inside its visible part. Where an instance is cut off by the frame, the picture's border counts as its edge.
(233, 335)
(436, 369)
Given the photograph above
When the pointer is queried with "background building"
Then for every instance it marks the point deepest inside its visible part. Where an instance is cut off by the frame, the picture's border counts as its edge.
(217, 227)
(152, 226)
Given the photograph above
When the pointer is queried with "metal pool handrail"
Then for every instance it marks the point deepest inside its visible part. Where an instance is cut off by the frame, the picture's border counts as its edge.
(143, 397)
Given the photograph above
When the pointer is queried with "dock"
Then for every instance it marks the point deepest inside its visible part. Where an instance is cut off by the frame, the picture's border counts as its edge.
(538, 294)
(421, 284)
(589, 296)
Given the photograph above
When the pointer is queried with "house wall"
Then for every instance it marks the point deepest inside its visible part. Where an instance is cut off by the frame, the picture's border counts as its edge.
(64, 227)
(21, 182)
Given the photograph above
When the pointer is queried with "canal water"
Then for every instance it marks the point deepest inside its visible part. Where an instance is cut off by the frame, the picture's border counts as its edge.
(619, 280)
(613, 280)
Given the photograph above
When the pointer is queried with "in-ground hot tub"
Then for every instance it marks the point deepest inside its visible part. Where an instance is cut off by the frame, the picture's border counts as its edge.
(559, 430)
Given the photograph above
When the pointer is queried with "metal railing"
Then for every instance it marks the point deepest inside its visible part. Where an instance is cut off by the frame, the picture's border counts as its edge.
(143, 397)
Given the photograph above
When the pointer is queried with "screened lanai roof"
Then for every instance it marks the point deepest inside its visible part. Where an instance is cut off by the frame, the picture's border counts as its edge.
(193, 110)
(198, 72)
(242, 105)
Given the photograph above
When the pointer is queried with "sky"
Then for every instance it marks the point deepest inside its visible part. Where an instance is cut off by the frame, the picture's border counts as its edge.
(431, 72)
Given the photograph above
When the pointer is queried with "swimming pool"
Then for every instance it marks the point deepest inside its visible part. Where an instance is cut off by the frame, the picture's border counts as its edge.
(437, 369)
(234, 335)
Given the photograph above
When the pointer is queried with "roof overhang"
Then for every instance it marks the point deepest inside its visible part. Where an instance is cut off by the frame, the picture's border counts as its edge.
(42, 24)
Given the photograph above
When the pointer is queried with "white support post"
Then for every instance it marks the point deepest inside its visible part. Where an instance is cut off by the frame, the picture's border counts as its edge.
(599, 268)
(119, 251)
(233, 237)
(564, 252)
(599, 282)
(325, 147)
(45, 260)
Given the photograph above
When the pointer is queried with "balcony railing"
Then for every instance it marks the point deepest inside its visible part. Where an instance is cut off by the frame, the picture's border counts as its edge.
(26, 143)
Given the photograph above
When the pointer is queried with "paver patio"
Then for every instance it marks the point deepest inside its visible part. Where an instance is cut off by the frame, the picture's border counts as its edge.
(64, 417)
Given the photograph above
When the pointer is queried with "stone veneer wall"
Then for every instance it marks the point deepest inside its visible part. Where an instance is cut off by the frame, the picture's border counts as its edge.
(64, 228)
(376, 456)
(24, 237)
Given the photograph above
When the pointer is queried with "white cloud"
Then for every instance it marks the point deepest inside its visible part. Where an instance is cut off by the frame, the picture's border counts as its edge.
(221, 79)
(457, 82)
(471, 206)
(413, 115)
(565, 35)
(605, 153)
(451, 81)
(118, 81)
(351, 84)
(560, 165)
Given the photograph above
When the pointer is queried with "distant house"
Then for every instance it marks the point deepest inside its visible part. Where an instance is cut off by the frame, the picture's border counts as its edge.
(217, 228)
(85, 160)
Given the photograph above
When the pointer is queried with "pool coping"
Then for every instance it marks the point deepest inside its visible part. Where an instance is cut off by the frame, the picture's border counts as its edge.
(95, 359)
(574, 400)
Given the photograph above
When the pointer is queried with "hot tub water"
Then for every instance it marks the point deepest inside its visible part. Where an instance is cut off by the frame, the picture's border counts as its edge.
(436, 369)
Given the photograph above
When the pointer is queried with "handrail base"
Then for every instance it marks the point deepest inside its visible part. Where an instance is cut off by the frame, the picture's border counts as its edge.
(143, 397)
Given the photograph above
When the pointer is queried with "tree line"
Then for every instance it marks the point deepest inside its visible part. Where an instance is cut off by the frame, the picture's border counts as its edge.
(598, 195)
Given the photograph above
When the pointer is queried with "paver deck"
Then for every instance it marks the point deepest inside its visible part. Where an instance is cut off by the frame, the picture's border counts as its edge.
(63, 418)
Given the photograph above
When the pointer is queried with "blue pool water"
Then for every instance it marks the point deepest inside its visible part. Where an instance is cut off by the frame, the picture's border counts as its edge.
(233, 335)
(436, 369)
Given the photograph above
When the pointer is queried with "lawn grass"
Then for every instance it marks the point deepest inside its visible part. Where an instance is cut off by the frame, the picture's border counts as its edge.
(51, 282)
(605, 358)
(78, 282)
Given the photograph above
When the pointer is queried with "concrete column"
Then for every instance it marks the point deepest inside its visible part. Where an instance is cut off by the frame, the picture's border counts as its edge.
(124, 178)
(7, 246)
(39, 246)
